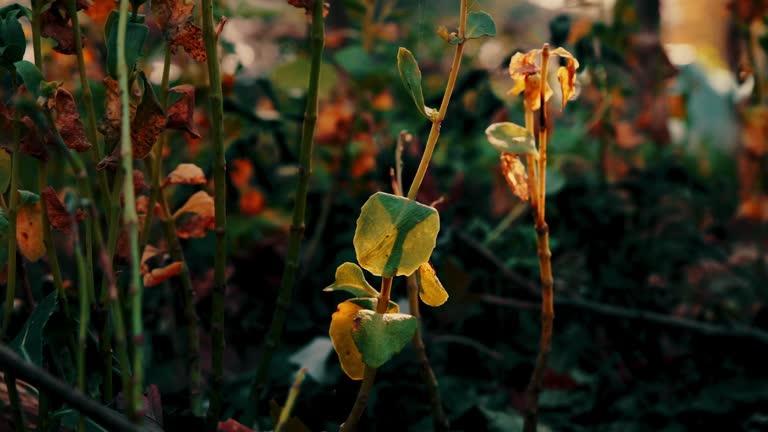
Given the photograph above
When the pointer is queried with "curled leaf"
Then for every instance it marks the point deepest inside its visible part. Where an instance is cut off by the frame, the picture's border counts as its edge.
(350, 278)
(174, 17)
(341, 336)
(55, 24)
(515, 175)
(109, 125)
(395, 235)
(68, 121)
(58, 216)
(155, 269)
(508, 137)
(431, 291)
(410, 74)
(148, 123)
(186, 173)
(196, 216)
(181, 113)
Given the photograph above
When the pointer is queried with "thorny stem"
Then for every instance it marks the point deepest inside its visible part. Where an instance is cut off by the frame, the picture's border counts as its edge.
(97, 152)
(439, 420)
(130, 219)
(285, 413)
(545, 270)
(434, 132)
(299, 211)
(220, 204)
(369, 375)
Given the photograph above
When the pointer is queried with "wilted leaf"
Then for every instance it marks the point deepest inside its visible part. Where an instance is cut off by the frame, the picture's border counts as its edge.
(341, 336)
(29, 231)
(68, 121)
(516, 175)
(148, 123)
(479, 24)
(155, 269)
(431, 291)
(199, 211)
(29, 342)
(395, 235)
(181, 113)
(381, 336)
(58, 216)
(410, 74)
(508, 137)
(350, 278)
(54, 24)
(174, 17)
(109, 125)
(186, 173)
(567, 74)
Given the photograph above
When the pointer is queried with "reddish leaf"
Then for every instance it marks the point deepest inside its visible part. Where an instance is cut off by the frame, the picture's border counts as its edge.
(58, 216)
(54, 24)
(196, 216)
(181, 113)
(251, 202)
(155, 269)
(68, 121)
(109, 125)
(139, 185)
(148, 123)
(186, 173)
(190, 37)
(232, 425)
(174, 17)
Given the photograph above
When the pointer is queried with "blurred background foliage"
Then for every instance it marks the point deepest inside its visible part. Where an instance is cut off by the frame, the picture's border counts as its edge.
(657, 212)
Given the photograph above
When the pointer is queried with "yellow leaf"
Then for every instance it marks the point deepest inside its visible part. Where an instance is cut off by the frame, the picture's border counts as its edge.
(29, 231)
(341, 337)
(515, 175)
(431, 291)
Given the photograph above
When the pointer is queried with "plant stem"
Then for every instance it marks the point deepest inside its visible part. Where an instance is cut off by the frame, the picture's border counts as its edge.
(220, 204)
(530, 162)
(82, 337)
(545, 270)
(190, 314)
(285, 413)
(157, 158)
(35, 21)
(10, 292)
(434, 132)
(299, 210)
(369, 375)
(43, 381)
(50, 247)
(97, 152)
(439, 420)
(130, 220)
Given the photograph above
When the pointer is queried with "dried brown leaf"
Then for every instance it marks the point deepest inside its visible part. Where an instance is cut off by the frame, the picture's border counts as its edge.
(58, 216)
(155, 269)
(186, 173)
(68, 121)
(29, 231)
(196, 216)
(515, 175)
(181, 113)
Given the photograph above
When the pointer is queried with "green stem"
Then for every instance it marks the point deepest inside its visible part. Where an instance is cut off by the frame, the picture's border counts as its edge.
(13, 396)
(190, 314)
(285, 413)
(157, 153)
(10, 292)
(82, 336)
(36, 6)
(220, 203)
(131, 221)
(434, 132)
(50, 247)
(45, 382)
(299, 211)
(97, 152)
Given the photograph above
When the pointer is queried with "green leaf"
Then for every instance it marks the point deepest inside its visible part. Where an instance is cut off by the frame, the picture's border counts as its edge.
(479, 24)
(395, 235)
(356, 61)
(15, 10)
(27, 198)
(350, 278)
(13, 43)
(381, 336)
(510, 138)
(411, 76)
(31, 76)
(29, 342)
(5, 170)
(135, 35)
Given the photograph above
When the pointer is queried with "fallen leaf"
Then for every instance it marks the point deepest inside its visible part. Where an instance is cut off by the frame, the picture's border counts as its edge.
(68, 121)
(186, 173)
(58, 216)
